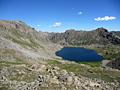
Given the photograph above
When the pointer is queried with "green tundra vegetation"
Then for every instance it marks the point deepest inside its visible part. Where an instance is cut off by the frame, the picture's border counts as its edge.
(88, 69)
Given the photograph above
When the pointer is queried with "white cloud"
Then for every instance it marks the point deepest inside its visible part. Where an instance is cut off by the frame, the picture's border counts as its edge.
(105, 18)
(57, 24)
(38, 25)
(79, 13)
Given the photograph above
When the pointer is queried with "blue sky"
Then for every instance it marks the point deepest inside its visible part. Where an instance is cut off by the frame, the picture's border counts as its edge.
(59, 15)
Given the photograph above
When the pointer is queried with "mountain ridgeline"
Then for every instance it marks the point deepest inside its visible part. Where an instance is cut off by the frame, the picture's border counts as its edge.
(72, 37)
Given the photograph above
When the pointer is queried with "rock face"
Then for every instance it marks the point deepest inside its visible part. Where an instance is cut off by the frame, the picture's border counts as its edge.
(72, 37)
(114, 64)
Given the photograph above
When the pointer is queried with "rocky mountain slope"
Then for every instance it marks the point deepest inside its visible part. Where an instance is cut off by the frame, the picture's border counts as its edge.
(19, 40)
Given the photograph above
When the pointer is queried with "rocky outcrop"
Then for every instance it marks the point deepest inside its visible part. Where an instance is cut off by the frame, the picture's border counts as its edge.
(114, 64)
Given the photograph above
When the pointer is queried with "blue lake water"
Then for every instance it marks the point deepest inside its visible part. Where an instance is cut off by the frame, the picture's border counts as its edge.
(79, 54)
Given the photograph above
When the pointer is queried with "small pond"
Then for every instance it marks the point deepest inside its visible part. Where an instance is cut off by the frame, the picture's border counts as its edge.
(79, 54)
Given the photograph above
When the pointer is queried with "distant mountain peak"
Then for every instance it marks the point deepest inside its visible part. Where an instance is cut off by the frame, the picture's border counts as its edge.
(101, 29)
